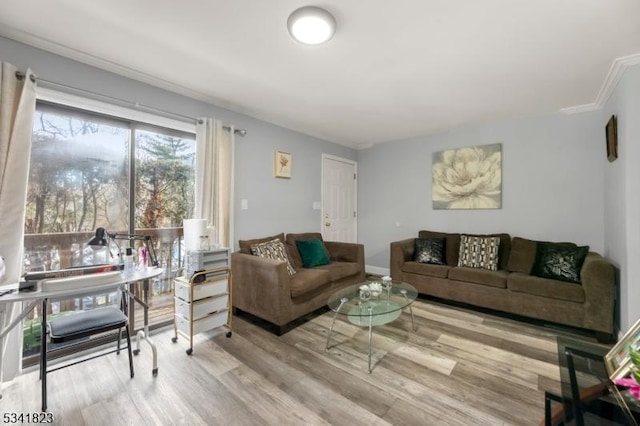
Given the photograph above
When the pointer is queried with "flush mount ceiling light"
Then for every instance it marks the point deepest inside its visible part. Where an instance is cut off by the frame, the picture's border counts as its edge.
(311, 25)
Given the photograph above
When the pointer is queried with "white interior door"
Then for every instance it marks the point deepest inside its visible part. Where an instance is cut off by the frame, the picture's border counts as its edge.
(339, 199)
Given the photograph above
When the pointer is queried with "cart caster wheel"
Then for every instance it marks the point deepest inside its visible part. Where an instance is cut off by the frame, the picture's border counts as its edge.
(174, 339)
(229, 334)
(189, 351)
(136, 351)
(154, 372)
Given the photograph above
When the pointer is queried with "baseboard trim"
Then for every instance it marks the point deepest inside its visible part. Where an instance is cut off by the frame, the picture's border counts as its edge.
(376, 270)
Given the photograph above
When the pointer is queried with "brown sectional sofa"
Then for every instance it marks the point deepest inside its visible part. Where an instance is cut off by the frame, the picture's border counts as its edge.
(263, 288)
(588, 305)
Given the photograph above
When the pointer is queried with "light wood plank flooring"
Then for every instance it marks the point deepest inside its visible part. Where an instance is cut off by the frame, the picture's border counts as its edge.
(460, 367)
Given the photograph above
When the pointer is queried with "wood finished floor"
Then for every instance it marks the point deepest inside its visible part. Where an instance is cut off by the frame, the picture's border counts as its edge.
(460, 367)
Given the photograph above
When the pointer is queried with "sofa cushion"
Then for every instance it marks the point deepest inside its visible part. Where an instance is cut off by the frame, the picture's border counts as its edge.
(430, 250)
(340, 270)
(544, 287)
(523, 254)
(273, 249)
(312, 252)
(479, 276)
(479, 252)
(559, 262)
(245, 245)
(428, 269)
(452, 244)
(308, 280)
(292, 248)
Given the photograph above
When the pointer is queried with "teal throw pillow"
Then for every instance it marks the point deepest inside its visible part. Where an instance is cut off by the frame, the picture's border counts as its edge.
(313, 253)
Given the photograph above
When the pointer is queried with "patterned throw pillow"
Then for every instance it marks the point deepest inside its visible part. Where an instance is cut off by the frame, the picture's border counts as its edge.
(559, 262)
(273, 249)
(479, 252)
(430, 250)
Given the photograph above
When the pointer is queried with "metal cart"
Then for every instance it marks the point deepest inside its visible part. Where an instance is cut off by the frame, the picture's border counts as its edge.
(201, 303)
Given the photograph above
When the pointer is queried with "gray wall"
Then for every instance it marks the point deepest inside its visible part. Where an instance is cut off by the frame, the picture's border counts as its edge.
(275, 205)
(280, 205)
(552, 184)
(622, 194)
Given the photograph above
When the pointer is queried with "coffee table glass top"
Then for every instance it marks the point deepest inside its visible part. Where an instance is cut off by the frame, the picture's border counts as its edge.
(379, 309)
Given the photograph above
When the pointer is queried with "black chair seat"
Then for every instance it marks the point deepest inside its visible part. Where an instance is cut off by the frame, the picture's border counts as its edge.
(86, 323)
(72, 328)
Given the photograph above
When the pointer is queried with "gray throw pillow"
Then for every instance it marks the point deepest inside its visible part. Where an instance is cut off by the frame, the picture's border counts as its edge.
(559, 262)
(430, 250)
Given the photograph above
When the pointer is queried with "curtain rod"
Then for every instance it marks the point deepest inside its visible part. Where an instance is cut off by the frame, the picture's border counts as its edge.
(20, 75)
(130, 104)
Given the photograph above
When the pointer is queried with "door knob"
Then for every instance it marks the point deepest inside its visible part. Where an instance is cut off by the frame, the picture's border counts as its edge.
(327, 224)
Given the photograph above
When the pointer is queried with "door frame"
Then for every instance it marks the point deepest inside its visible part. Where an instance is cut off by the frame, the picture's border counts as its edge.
(355, 190)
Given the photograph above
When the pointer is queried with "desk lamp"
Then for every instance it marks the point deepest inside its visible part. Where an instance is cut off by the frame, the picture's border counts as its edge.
(99, 240)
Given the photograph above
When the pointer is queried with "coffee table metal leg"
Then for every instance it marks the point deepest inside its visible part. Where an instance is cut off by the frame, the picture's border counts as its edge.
(342, 302)
(413, 324)
(370, 334)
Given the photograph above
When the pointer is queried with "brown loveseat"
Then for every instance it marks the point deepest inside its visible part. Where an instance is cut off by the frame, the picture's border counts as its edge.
(588, 304)
(263, 287)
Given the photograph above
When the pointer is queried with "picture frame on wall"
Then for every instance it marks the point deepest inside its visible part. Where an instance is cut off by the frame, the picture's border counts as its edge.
(617, 360)
(611, 131)
(283, 162)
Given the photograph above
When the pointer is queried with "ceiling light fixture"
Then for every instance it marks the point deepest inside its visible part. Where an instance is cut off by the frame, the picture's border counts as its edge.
(311, 25)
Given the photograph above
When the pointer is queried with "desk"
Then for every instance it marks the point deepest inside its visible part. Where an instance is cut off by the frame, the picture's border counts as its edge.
(587, 393)
(31, 299)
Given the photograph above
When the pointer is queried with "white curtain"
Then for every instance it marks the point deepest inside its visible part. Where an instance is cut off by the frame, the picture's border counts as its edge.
(17, 108)
(214, 177)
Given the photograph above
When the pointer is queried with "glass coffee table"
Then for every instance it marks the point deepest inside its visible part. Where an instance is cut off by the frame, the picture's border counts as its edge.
(375, 308)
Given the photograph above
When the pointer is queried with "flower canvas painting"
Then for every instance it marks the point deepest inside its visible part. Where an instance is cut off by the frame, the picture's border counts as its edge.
(282, 164)
(468, 178)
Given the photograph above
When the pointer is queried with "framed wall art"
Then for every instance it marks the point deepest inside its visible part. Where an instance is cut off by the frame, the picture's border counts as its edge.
(282, 164)
(611, 131)
(467, 178)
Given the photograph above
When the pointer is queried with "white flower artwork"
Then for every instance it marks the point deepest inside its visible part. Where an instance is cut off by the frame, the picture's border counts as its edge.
(468, 178)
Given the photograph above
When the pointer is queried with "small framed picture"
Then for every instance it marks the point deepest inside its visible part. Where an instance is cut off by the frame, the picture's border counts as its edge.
(612, 139)
(282, 164)
(617, 360)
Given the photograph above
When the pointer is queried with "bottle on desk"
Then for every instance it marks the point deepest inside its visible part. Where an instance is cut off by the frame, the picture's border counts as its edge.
(143, 257)
(129, 269)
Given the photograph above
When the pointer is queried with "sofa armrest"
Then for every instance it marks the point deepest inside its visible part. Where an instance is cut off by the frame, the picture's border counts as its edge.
(401, 251)
(261, 287)
(599, 283)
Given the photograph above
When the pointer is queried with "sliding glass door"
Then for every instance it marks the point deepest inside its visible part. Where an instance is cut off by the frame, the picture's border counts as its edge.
(89, 171)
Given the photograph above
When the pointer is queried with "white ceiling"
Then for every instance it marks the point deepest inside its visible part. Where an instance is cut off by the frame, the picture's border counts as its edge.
(393, 70)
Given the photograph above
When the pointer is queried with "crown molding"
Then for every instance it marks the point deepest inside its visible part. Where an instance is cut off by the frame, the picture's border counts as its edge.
(581, 108)
(85, 58)
(616, 71)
